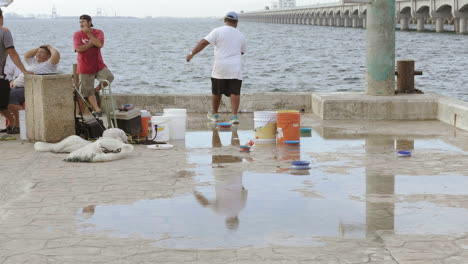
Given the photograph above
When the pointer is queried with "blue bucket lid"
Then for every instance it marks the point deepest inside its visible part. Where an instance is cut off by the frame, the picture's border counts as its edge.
(224, 124)
(306, 129)
(292, 142)
(404, 152)
(300, 163)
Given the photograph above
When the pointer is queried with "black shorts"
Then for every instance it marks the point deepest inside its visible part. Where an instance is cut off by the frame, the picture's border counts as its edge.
(226, 86)
(17, 96)
(4, 94)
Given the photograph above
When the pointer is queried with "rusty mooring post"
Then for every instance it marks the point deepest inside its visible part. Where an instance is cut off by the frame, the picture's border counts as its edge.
(405, 72)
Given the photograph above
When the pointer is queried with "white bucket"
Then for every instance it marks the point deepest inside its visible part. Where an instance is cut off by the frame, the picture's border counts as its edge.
(163, 125)
(178, 122)
(265, 126)
(22, 123)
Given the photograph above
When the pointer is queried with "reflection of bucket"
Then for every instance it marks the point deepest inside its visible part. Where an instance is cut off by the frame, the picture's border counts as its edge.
(289, 126)
(22, 124)
(161, 128)
(306, 132)
(265, 126)
(289, 153)
(178, 122)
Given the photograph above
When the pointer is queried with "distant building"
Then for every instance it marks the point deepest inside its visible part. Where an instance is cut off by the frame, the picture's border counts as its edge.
(287, 3)
(274, 5)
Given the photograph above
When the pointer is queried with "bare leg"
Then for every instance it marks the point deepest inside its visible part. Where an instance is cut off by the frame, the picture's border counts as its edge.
(216, 101)
(235, 141)
(7, 115)
(14, 110)
(216, 140)
(98, 88)
(92, 100)
(235, 102)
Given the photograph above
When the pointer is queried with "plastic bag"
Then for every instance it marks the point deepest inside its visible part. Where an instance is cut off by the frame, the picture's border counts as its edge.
(5, 3)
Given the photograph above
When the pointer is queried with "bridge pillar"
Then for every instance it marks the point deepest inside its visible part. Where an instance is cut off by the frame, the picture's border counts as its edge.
(463, 25)
(338, 22)
(331, 22)
(323, 21)
(364, 22)
(380, 65)
(404, 24)
(420, 24)
(440, 24)
(355, 22)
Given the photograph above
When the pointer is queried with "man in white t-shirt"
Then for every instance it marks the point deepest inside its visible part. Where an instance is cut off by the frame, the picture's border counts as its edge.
(11, 70)
(229, 46)
(42, 60)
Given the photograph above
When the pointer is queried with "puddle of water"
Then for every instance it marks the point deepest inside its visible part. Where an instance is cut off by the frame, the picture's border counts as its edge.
(241, 205)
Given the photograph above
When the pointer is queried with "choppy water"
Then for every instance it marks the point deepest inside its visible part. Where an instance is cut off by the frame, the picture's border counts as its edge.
(148, 56)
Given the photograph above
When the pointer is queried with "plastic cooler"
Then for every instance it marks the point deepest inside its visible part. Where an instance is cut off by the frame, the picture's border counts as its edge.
(129, 121)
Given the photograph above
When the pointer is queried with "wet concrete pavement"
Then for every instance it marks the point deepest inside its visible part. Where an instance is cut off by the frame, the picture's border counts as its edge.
(206, 202)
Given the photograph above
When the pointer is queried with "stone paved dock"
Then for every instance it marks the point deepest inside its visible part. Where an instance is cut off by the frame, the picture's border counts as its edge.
(205, 202)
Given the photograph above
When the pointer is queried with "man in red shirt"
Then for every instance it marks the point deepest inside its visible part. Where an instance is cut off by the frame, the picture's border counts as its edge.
(88, 43)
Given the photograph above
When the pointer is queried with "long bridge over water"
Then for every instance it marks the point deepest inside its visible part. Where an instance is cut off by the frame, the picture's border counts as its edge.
(340, 14)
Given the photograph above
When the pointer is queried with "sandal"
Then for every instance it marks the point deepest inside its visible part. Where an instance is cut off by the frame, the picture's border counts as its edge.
(14, 131)
(7, 138)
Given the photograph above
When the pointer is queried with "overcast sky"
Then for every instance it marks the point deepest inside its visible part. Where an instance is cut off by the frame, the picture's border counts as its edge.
(139, 8)
(143, 8)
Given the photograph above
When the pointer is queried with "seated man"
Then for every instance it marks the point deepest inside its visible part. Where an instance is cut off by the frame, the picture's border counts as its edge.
(42, 60)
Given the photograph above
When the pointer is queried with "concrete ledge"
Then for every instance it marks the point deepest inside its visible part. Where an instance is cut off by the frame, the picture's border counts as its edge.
(358, 106)
(201, 103)
(453, 112)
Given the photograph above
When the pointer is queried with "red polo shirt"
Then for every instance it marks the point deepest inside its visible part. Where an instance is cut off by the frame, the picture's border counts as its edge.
(90, 61)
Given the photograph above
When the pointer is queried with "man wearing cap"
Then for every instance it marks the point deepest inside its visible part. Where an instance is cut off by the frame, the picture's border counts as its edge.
(226, 77)
(88, 43)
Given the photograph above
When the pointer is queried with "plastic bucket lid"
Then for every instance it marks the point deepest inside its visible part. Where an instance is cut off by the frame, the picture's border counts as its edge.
(292, 142)
(160, 119)
(262, 115)
(300, 163)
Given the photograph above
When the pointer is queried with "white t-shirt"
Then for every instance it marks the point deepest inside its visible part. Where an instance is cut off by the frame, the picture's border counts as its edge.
(11, 71)
(228, 44)
(37, 68)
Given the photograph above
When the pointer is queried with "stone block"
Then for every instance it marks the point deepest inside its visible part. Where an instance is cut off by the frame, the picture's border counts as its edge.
(49, 107)
(358, 106)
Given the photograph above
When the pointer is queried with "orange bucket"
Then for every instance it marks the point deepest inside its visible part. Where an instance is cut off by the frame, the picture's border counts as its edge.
(145, 125)
(289, 126)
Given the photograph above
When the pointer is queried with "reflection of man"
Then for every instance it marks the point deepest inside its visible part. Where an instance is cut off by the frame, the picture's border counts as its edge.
(231, 198)
(216, 140)
(88, 43)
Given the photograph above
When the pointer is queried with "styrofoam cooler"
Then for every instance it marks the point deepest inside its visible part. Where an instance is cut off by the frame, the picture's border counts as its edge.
(178, 122)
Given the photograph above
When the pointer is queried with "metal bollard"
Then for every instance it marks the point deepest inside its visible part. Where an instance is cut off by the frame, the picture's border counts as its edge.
(405, 72)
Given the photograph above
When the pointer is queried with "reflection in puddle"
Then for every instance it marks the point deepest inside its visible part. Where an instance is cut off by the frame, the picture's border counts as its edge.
(262, 202)
(230, 198)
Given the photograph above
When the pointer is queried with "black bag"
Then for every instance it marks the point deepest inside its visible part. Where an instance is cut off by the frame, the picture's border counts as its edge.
(89, 129)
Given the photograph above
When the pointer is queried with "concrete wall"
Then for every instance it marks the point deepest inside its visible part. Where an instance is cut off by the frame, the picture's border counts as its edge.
(358, 106)
(201, 103)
